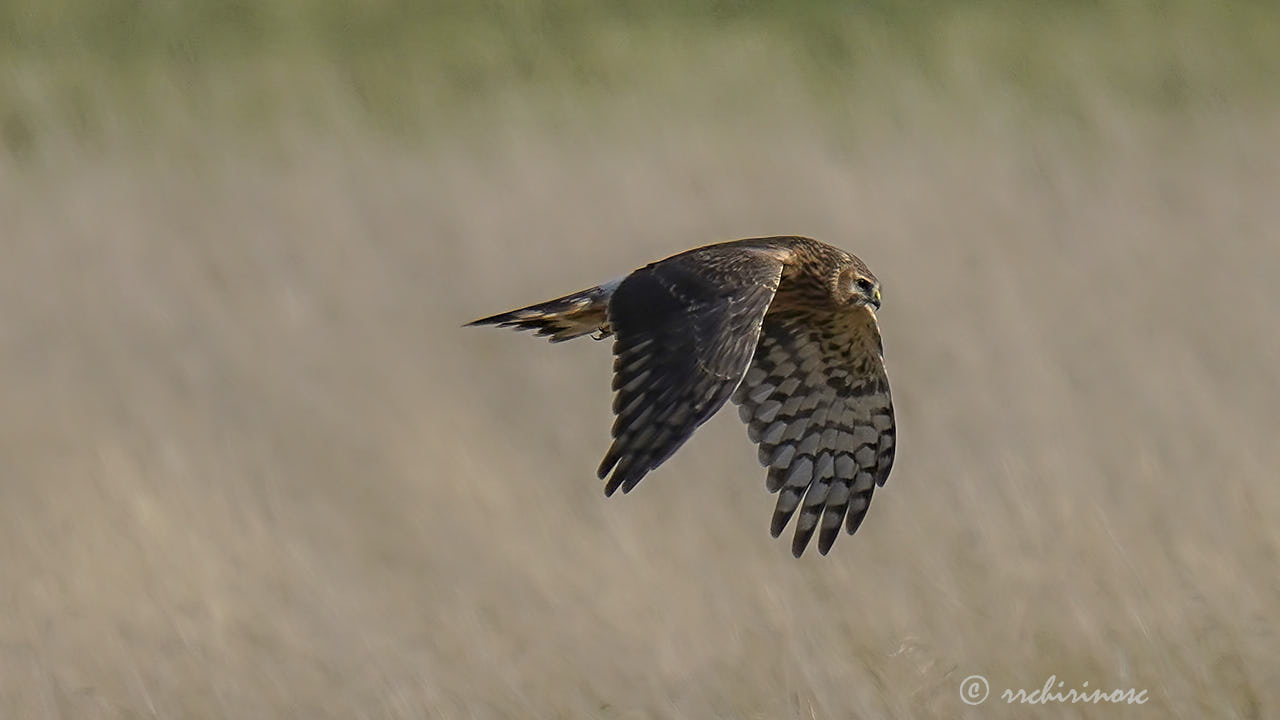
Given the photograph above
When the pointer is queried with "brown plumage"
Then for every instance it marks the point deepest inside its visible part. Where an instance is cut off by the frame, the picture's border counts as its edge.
(786, 328)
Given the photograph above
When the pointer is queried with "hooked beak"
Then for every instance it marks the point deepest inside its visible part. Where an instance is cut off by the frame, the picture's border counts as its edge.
(874, 300)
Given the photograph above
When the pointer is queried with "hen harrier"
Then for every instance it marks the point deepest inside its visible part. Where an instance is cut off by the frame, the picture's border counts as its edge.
(786, 327)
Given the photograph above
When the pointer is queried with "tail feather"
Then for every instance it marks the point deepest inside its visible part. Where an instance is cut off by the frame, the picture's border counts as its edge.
(565, 318)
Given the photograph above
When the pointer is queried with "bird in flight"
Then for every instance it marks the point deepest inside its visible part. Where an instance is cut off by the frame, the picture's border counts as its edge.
(786, 328)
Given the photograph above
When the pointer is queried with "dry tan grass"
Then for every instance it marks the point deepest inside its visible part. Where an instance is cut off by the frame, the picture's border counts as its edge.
(254, 468)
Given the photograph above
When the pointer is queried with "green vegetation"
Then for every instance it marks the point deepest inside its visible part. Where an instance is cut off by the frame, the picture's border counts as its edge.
(422, 69)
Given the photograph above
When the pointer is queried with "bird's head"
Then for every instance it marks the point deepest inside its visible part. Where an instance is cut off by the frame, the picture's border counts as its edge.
(855, 285)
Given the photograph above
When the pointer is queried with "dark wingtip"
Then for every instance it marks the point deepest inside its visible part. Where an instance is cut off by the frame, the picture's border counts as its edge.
(827, 538)
(854, 521)
(610, 459)
(778, 524)
(606, 466)
(627, 473)
(631, 482)
(615, 482)
(800, 542)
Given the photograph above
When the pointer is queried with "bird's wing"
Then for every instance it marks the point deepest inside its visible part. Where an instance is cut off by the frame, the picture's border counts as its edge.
(685, 328)
(816, 400)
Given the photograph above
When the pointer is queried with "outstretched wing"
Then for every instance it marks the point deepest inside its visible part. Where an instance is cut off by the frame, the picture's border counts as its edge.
(816, 401)
(686, 328)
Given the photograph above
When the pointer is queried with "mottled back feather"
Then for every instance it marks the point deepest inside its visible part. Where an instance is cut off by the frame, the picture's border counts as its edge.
(686, 328)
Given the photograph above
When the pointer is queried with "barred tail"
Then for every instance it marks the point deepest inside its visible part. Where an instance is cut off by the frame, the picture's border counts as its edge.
(566, 318)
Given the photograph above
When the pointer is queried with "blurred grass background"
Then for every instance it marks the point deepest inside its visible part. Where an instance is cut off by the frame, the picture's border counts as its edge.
(419, 70)
(250, 466)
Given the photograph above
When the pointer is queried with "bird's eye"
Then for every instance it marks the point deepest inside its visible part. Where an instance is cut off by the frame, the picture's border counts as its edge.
(864, 285)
